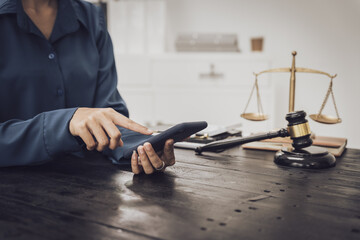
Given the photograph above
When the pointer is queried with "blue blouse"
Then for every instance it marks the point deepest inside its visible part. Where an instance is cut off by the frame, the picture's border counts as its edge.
(43, 82)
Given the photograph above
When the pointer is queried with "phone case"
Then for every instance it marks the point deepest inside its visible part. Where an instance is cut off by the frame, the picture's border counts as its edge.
(178, 133)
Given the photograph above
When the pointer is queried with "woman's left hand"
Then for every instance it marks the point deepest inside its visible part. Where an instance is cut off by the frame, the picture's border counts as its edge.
(149, 161)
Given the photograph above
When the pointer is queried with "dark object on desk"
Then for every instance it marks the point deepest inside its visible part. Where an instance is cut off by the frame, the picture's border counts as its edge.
(178, 133)
(298, 156)
(215, 135)
(238, 194)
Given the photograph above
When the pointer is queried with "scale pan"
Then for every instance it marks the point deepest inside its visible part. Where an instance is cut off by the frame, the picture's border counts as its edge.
(325, 119)
(254, 116)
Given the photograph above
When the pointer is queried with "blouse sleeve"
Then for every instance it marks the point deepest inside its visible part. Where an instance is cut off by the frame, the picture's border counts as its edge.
(37, 140)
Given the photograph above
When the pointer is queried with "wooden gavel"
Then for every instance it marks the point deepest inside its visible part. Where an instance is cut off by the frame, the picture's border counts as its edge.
(298, 129)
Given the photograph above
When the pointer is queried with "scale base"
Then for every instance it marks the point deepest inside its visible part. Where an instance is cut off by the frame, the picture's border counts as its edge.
(310, 157)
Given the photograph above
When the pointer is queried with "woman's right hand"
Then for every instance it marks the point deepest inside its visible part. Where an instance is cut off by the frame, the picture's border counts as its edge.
(97, 127)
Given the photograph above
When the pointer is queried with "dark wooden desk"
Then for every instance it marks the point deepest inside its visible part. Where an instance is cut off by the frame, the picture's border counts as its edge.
(234, 195)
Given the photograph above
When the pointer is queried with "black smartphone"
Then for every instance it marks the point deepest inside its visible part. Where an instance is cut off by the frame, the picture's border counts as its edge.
(178, 133)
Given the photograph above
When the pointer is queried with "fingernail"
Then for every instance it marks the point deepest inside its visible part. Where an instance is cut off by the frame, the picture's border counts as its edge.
(141, 150)
(133, 155)
(150, 131)
(147, 146)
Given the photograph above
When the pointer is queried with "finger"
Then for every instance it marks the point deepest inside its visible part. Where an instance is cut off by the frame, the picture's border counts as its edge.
(88, 139)
(145, 163)
(100, 135)
(113, 132)
(153, 157)
(125, 122)
(134, 164)
(169, 155)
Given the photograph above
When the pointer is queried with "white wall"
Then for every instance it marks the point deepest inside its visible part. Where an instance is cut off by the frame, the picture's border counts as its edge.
(325, 33)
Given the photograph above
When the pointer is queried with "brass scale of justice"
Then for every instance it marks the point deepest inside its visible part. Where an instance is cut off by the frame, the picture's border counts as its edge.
(309, 157)
(301, 154)
(319, 117)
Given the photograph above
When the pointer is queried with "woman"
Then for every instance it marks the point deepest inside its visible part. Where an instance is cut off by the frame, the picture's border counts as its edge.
(58, 87)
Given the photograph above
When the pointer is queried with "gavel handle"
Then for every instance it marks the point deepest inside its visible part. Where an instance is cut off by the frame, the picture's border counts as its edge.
(228, 143)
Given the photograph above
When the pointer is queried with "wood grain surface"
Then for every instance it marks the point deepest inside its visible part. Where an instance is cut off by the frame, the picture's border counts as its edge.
(237, 194)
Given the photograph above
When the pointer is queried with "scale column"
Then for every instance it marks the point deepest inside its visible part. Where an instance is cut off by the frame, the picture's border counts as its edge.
(292, 85)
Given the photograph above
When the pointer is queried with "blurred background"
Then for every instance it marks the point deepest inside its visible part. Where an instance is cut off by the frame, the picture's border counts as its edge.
(185, 60)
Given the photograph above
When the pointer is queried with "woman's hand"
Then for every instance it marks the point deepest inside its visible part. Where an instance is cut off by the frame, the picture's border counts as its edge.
(149, 161)
(96, 125)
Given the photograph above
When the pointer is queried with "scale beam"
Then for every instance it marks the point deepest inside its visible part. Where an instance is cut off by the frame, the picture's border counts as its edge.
(260, 116)
(297, 69)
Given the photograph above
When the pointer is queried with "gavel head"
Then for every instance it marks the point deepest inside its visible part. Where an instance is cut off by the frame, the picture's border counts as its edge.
(299, 129)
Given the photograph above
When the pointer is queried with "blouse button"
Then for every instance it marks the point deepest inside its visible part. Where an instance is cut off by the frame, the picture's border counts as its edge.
(51, 56)
(60, 92)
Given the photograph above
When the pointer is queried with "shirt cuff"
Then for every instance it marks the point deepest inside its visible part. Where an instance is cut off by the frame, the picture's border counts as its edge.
(57, 136)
